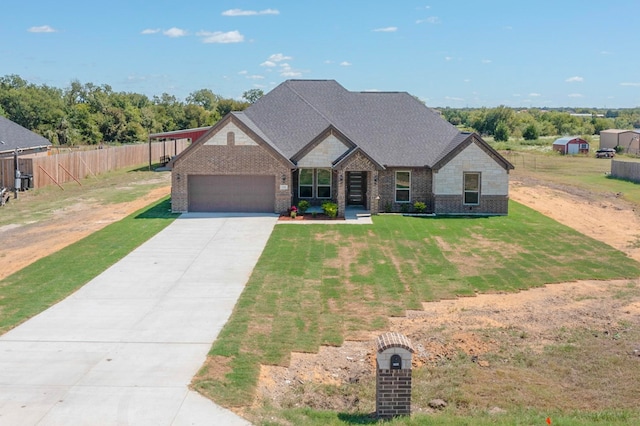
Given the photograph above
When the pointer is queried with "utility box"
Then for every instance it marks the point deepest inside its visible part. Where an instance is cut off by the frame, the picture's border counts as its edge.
(393, 379)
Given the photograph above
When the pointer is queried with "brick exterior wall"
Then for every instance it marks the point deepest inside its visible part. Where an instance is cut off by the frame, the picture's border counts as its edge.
(489, 204)
(420, 189)
(222, 159)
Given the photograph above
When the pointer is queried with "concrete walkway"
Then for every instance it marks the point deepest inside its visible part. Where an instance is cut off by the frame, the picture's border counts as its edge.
(123, 349)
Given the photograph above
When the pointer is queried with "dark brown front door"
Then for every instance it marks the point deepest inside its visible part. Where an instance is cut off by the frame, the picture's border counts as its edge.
(356, 188)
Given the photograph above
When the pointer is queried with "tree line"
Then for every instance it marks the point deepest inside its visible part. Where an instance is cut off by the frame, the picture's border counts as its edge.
(91, 114)
(504, 122)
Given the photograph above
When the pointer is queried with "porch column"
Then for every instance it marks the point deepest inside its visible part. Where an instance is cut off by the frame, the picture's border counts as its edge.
(341, 194)
(374, 198)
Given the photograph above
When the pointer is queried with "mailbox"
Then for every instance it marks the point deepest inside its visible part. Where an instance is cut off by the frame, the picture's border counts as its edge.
(396, 362)
(393, 380)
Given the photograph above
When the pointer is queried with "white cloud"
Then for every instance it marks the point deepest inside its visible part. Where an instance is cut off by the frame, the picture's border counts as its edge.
(452, 98)
(328, 61)
(630, 84)
(221, 37)
(175, 32)
(345, 64)
(575, 79)
(42, 29)
(255, 77)
(243, 72)
(150, 31)
(268, 64)
(386, 30)
(534, 95)
(429, 20)
(576, 95)
(240, 12)
(291, 73)
(606, 52)
(448, 58)
(486, 61)
(279, 57)
(467, 80)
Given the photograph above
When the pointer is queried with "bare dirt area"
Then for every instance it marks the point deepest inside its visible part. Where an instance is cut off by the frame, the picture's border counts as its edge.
(444, 329)
(24, 244)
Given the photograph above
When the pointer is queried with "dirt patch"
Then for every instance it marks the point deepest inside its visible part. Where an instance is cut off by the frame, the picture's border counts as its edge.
(24, 244)
(480, 326)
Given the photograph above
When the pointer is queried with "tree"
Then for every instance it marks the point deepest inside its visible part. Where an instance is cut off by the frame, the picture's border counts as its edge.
(252, 95)
(502, 132)
(531, 132)
(205, 98)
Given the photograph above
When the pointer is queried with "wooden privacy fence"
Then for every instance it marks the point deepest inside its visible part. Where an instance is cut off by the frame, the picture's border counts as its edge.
(625, 170)
(69, 167)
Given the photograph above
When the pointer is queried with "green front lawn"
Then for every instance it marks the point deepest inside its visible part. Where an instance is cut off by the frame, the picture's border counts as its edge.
(319, 284)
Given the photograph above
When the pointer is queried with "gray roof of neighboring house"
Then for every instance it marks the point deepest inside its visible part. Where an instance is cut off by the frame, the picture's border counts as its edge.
(393, 128)
(13, 136)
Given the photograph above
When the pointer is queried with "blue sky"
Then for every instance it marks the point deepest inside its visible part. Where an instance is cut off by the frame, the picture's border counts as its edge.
(448, 53)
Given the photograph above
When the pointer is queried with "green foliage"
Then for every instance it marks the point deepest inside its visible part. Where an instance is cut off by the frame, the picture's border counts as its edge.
(252, 95)
(502, 132)
(330, 209)
(90, 114)
(303, 205)
(419, 206)
(531, 132)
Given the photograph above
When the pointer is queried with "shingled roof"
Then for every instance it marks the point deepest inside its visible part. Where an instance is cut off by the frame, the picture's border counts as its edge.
(393, 128)
(13, 136)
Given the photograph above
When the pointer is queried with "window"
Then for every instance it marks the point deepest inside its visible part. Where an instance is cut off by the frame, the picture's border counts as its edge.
(305, 184)
(403, 187)
(231, 138)
(324, 183)
(472, 188)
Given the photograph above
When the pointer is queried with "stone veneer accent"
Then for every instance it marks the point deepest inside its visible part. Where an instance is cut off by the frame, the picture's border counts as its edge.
(489, 204)
(420, 189)
(393, 386)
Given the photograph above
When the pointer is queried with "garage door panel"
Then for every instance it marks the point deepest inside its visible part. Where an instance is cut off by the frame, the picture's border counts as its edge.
(242, 193)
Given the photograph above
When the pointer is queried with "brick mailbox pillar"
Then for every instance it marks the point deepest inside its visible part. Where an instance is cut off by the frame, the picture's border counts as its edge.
(393, 380)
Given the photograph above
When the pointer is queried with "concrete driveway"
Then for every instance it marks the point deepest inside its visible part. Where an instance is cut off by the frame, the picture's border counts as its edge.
(123, 349)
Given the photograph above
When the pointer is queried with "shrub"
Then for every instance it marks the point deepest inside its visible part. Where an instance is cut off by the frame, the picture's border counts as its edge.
(419, 206)
(303, 206)
(502, 133)
(330, 209)
(531, 132)
(404, 207)
(387, 207)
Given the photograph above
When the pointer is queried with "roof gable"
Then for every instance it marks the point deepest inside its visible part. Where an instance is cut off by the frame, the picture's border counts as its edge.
(462, 141)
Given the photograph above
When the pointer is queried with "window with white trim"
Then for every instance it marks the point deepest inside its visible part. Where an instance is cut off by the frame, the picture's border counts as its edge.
(472, 188)
(403, 187)
(305, 183)
(323, 186)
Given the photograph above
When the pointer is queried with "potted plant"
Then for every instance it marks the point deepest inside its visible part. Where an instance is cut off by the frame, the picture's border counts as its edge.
(293, 212)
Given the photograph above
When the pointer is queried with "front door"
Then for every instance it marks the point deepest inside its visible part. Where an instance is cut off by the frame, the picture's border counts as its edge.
(356, 188)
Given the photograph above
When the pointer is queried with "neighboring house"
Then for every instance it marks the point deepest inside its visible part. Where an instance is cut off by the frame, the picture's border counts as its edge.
(571, 145)
(314, 140)
(15, 137)
(628, 141)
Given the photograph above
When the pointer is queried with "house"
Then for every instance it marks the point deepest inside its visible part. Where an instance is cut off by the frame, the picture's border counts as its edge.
(15, 137)
(314, 140)
(17, 142)
(571, 145)
(626, 141)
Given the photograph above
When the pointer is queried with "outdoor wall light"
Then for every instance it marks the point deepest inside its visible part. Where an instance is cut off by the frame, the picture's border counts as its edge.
(283, 178)
(375, 179)
(178, 177)
(341, 177)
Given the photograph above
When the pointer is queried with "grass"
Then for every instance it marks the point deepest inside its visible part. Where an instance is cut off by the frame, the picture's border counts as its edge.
(317, 285)
(50, 279)
(109, 188)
